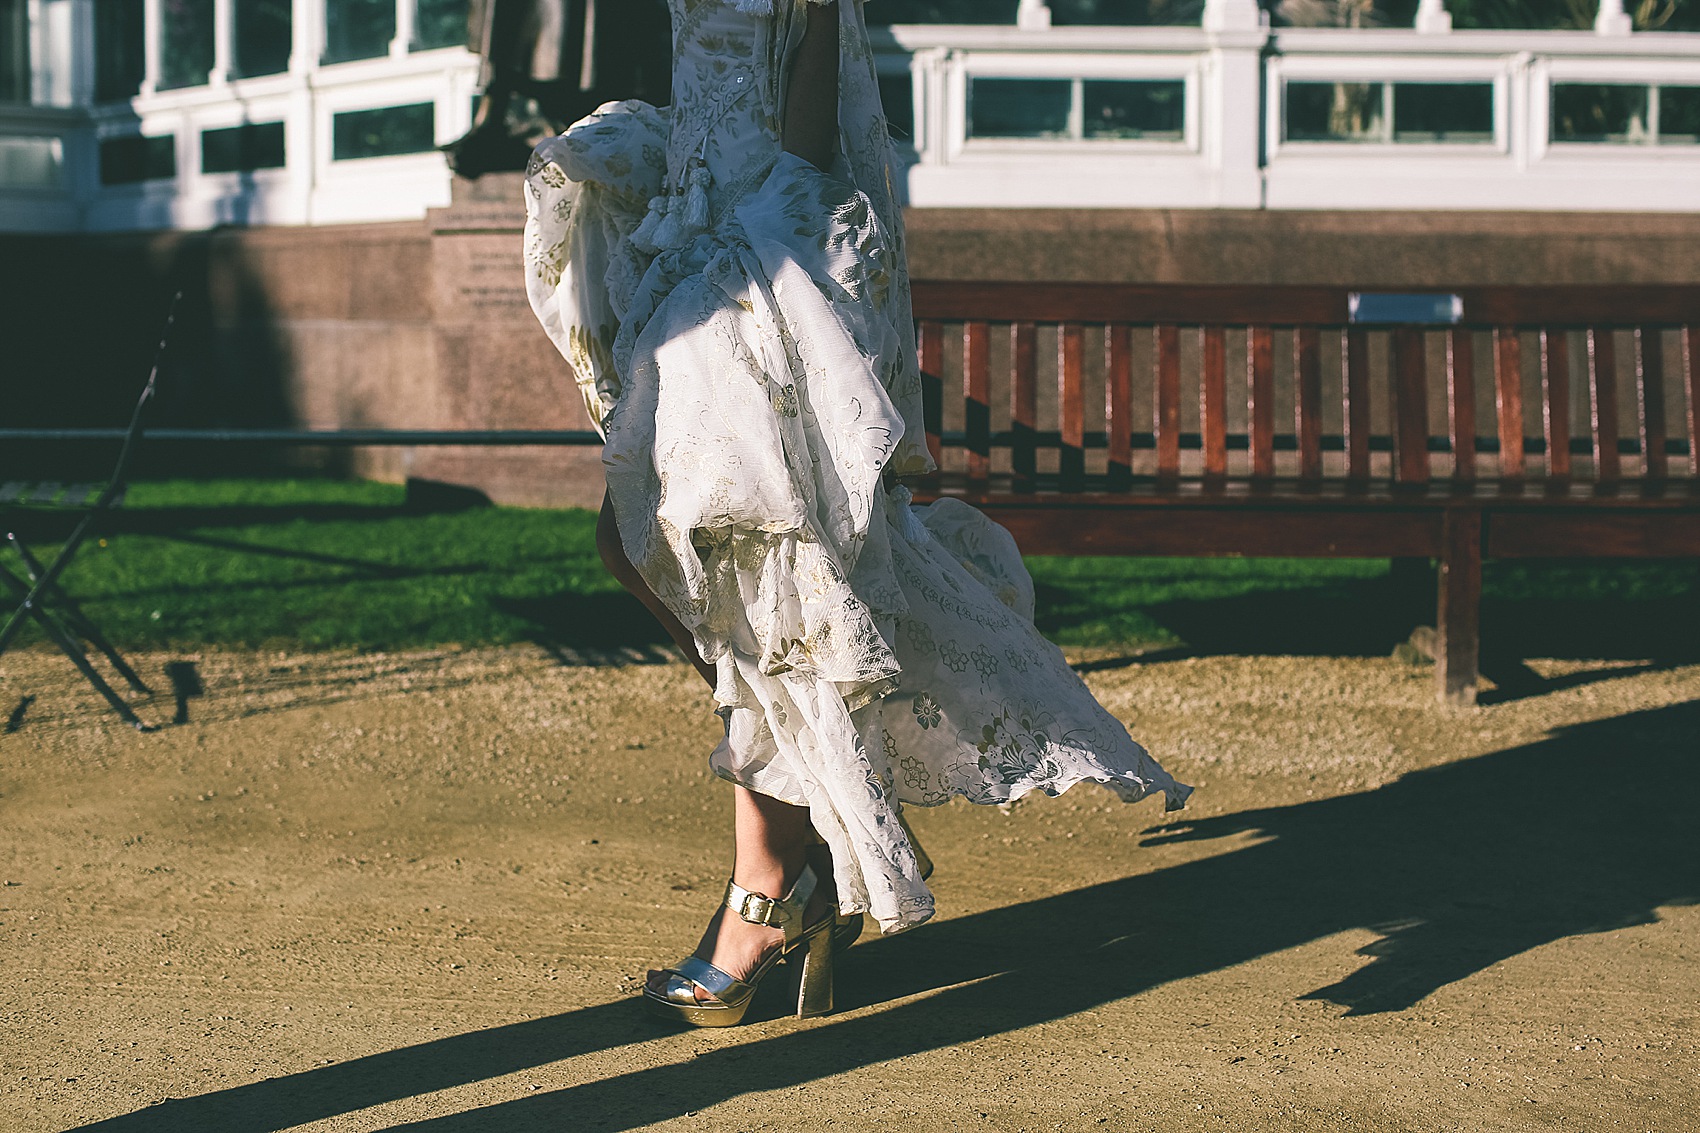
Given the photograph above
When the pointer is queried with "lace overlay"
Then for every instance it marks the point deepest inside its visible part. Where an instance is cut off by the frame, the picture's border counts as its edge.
(739, 323)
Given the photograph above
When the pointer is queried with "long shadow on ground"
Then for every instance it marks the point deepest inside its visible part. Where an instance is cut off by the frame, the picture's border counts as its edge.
(1368, 617)
(1455, 869)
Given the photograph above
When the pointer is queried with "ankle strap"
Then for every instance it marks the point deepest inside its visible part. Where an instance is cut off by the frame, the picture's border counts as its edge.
(784, 913)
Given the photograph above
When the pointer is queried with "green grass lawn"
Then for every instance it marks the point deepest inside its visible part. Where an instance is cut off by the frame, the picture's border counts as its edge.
(338, 564)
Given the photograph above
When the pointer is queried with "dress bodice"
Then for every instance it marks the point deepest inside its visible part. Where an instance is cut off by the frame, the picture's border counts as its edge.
(729, 64)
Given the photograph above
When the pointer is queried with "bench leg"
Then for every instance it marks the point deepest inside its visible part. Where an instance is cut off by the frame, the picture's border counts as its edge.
(1459, 617)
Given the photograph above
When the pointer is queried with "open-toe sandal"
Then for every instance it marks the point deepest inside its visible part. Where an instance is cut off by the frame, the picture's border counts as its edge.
(677, 998)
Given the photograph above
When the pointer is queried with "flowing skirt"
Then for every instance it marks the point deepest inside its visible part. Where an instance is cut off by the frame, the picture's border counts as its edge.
(756, 386)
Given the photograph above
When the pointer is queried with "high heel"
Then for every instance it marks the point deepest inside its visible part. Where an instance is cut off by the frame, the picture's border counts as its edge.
(848, 928)
(732, 996)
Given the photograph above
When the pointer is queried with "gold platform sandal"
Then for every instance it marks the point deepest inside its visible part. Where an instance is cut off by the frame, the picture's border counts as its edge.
(677, 999)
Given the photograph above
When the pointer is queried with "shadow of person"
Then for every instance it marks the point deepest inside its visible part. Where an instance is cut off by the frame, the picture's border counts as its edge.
(1455, 868)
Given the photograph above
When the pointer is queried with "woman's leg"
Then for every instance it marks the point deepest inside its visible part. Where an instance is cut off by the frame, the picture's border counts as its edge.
(614, 558)
(771, 838)
(771, 841)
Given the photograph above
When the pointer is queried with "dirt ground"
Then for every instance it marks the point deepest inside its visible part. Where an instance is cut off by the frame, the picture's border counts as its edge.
(417, 891)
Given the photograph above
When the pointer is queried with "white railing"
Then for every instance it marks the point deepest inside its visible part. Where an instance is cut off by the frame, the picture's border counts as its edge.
(312, 187)
(64, 190)
(1524, 165)
(1227, 94)
(1235, 149)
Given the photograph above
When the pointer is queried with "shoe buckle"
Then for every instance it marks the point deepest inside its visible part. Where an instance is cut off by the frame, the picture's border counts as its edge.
(757, 909)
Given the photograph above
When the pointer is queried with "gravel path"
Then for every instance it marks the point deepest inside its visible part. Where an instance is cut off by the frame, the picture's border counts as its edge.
(361, 892)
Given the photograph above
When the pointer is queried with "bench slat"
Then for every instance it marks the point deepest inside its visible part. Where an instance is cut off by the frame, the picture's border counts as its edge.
(1167, 413)
(977, 392)
(1357, 403)
(1551, 533)
(1213, 531)
(1213, 402)
(1142, 303)
(1071, 402)
(1023, 398)
(1260, 410)
(1283, 494)
(932, 386)
(1602, 387)
(1691, 380)
(1461, 401)
(1118, 401)
(1307, 406)
(1410, 406)
(1508, 389)
(1290, 305)
(1650, 390)
(1555, 400)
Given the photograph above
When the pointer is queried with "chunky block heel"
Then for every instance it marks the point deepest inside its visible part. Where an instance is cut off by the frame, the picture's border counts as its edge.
(814, 977)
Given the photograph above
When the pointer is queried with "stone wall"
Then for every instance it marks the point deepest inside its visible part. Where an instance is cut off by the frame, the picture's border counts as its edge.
(426, 325)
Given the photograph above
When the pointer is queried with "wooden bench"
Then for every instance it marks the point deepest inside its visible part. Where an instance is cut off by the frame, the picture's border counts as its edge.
(1503, 422)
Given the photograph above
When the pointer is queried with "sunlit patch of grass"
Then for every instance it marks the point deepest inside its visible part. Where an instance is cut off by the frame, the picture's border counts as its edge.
(308, 563)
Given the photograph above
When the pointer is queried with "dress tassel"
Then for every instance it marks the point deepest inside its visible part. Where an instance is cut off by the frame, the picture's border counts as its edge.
(644, 237)
(669, 233)
(696, 200)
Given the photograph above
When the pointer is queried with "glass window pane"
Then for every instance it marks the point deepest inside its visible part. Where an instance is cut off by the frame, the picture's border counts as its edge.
(262, 32)
(118, 54)
(897, 95)
(439, 23)
(1679, 116)
(185, 42)
(1125, 12)
(1118, 108)
(30, 163)
(1335, 112)
(1443, 112)
(239, 149)
(1599, 112)
(385, 131)
(1019, 108)
(357, 29)
(14, 51)
(127, 160)
(944, 12)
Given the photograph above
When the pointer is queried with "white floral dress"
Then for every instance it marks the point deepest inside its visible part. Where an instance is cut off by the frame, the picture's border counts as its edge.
(739, 322)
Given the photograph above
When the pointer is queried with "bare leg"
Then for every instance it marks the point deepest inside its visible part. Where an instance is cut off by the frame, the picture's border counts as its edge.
(771, 838)
(614, 558)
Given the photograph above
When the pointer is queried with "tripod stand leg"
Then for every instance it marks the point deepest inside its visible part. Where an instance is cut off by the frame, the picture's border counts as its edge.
(68, 645)
(78, 620)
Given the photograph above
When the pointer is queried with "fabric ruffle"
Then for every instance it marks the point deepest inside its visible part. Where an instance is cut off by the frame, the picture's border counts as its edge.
(757, 387)
(586, 192)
